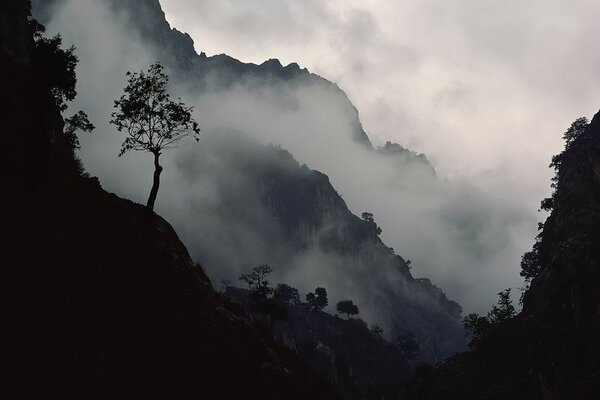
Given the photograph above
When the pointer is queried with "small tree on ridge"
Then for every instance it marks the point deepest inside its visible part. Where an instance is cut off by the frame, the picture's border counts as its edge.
(152, 121)
(347, 307)
(317, 301)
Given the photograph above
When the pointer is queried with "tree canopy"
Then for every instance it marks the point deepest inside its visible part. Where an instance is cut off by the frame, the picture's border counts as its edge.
(151, 121)
(266, 300)
(479, 326)
(317, 301)
(347, 307)
(257, 281)
(54, 67)
(287, 294)
(408, 346)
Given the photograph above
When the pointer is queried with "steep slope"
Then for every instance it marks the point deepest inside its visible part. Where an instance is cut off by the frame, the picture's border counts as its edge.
(551, 350)
(106, 300)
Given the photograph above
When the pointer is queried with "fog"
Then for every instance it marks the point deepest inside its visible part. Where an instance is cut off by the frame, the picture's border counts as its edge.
(489, 137)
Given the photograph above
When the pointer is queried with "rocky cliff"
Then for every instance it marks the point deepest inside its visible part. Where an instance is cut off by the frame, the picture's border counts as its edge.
(550, 350)
(562, 306)
(105, 300)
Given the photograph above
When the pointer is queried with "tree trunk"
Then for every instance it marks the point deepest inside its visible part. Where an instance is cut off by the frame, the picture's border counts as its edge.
(155, 183)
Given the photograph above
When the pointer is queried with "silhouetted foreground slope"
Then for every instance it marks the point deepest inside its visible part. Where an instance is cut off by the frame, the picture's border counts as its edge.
(106, 301)
(552, 349)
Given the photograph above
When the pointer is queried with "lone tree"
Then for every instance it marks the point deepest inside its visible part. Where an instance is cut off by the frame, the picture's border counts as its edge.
(257, 282)
(368, 217)
(347, 307)
(480, 326)
(265, 300)
(317, 301)
(152, 121)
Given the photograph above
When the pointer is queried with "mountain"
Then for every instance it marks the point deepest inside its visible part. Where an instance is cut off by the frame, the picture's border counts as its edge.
(256, 204)
(105, 301)
(302, 227)
(550, 350)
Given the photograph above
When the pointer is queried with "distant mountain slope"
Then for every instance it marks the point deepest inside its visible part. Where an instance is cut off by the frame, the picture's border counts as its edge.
(105, 300)
(278, 212)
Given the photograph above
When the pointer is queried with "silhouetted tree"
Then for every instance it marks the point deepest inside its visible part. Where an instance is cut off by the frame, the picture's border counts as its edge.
(347, 307)
(530, 262)
(503, 310)
(260, 293)
(286, 294)
(54, 70)
(408, 346)
(377, 330)
(479, 326)
(317, 301)
(152, 121)
(69, 142)
(575, 130)
(53, 67)
(368, 217)
(257, 281)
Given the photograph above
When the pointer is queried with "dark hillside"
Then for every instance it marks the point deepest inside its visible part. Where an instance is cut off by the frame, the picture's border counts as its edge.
(360, 362)
(105, 301)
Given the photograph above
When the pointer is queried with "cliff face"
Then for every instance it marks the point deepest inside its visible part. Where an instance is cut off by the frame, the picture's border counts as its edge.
(551, 350)
(563, 303)
(106, 300)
